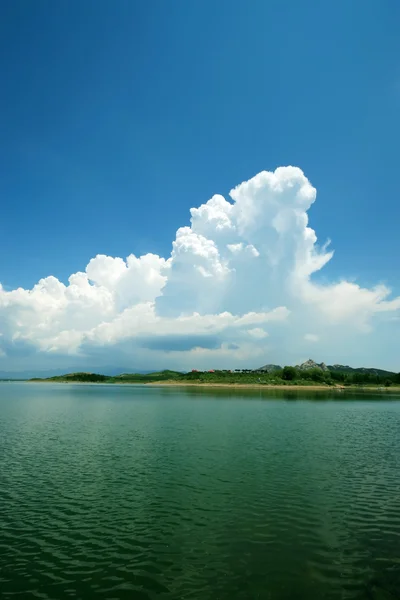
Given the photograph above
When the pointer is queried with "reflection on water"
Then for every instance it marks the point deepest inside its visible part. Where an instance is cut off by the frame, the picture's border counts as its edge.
(139, 492)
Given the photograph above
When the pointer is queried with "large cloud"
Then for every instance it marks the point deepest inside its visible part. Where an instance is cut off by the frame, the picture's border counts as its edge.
(237, 289)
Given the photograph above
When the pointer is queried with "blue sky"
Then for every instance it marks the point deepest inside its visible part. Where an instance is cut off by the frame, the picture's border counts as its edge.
(118, 117)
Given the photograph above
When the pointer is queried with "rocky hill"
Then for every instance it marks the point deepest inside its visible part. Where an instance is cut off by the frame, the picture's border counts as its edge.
(347, 369)
(269, 368)
(311, 364)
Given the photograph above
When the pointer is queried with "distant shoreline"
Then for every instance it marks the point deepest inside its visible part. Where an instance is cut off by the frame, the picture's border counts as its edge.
(236, 386)
(308, 376)
(256, 386)
(264, 386)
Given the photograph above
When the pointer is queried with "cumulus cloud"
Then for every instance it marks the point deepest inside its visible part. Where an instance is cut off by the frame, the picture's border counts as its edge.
(237, 287)
(257, 333)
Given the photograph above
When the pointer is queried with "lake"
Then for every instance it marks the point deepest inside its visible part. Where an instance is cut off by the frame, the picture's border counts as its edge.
(150, 492)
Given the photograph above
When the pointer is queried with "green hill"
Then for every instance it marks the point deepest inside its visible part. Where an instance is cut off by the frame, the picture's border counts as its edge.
(309, 373)
(123, 378)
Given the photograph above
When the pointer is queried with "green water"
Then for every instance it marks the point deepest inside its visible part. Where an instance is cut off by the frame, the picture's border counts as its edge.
(137, 492)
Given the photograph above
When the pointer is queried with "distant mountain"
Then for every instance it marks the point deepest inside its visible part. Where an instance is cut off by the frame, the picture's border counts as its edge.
(113, 371)
(269, 368)
(347, 369)
(311, 364)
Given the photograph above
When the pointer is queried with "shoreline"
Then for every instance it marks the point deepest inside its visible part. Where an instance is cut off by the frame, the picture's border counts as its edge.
(263, 386)
(235, 386)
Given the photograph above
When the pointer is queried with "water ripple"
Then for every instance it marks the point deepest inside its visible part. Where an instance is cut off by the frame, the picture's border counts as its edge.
(127, 493)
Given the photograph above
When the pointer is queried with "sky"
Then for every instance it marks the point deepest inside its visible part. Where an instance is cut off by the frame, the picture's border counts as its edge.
(199, 184)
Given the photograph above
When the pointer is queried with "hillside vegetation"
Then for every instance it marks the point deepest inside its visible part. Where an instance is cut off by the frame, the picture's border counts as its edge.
(123, 378)
(309, 373)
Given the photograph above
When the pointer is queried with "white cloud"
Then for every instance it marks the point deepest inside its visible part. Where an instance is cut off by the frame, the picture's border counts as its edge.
(257, 333)
(311, 337)
(242, 272)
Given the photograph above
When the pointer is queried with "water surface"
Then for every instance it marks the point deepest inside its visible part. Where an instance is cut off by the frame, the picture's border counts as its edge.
(145, 492)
